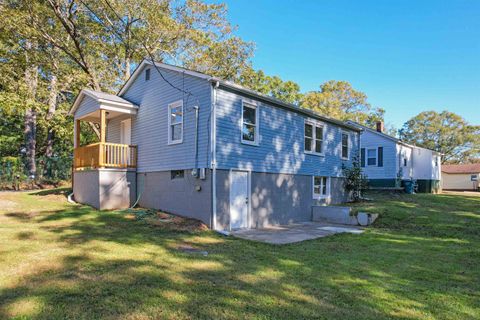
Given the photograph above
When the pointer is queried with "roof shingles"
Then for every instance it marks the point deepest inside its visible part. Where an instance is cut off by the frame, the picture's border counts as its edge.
(461, 168)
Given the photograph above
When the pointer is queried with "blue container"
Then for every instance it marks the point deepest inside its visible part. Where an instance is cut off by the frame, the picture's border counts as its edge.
(408, 186)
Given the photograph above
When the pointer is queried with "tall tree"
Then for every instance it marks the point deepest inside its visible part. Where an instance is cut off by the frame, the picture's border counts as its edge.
(105, 39)
(274, 86)
(445, 132)
(338, 99)
(30, 120)
(50, 49)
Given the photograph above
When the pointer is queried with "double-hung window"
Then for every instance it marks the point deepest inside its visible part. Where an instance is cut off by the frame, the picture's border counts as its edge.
(249, 123)
(372, 157)
(345, 149)
(313, 137)
(321, 188)
(175, 122)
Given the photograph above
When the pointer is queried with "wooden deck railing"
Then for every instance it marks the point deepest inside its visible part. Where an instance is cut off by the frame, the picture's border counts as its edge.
(105, 155)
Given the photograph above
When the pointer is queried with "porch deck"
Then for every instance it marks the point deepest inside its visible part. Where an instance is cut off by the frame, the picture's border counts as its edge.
(105, 155)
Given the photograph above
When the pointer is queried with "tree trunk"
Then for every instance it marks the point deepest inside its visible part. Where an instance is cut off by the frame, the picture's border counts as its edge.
(127, 70)
(30, 119)
(30, 131)
(52, 107)
(94, 82)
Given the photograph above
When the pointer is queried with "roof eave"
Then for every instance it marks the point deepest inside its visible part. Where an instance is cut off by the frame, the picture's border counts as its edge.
(144, 62)
(233, 86)
(283, 104)
(83, 93)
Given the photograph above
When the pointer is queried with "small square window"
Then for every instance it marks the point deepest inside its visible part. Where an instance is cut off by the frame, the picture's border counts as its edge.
(177, 174)
(147, 74)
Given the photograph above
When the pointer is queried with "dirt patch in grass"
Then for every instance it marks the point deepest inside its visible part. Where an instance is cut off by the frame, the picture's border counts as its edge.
(7, 204)
(25, 235)
(22, 215)
(166, 220)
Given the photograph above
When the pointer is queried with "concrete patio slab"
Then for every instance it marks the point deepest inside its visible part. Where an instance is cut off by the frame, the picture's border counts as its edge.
(294, 232)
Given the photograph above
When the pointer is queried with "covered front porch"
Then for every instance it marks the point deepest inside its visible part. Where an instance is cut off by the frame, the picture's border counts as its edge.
(104, 172)
(99, 109)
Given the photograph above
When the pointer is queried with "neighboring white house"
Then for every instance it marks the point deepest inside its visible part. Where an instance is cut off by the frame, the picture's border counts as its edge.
(387, 161)
(461, 176)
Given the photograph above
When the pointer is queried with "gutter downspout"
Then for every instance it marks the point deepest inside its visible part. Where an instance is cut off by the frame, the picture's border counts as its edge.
(412, 164)
(213, 137)
(196, 138)
(359, 153)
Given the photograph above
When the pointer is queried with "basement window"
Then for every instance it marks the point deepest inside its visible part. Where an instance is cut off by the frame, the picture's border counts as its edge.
(177, 174)
(321, 187)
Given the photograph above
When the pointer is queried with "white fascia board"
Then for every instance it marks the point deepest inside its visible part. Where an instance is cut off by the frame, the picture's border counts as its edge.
(129, 110)
(83, 93)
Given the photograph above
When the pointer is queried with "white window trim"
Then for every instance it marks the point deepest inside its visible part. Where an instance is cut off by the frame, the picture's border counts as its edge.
(348, 145)
(321, 196)
(170, 107)
(376, 157)
(257, 123)
(314, 137)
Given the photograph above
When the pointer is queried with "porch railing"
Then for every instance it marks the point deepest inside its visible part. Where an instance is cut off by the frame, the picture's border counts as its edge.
(105, 155)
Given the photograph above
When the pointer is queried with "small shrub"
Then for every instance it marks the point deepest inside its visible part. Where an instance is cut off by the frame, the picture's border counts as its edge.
(355, 181)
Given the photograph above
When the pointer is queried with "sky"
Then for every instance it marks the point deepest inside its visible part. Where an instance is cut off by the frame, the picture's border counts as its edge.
(407, 56)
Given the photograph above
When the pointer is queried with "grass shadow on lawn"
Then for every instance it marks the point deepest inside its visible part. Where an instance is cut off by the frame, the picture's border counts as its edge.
(112, 267)
(56, 191)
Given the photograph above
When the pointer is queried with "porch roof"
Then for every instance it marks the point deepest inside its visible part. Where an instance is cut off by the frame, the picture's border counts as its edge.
(114, 104)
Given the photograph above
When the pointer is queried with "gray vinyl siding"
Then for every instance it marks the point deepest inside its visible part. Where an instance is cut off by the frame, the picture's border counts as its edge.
(150, 125)
(370, 140)
(87, 105)
(281, 141)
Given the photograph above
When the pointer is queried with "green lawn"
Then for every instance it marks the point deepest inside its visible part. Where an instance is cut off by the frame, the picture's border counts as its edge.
(421, 260)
